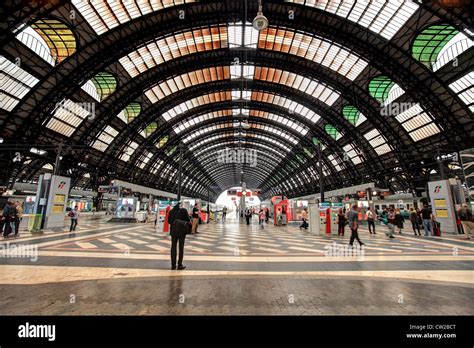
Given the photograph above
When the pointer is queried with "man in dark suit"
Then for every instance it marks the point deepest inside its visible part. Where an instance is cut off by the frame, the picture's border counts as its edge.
(178, 219)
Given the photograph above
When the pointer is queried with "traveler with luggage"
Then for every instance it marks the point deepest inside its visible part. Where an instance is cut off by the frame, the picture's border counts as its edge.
(180, 226)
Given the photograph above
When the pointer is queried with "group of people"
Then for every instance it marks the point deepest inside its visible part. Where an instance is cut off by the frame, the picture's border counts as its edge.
(263, 216)
(10, 219)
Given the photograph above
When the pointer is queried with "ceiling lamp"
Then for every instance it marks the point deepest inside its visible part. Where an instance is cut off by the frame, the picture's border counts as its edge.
(260, 22)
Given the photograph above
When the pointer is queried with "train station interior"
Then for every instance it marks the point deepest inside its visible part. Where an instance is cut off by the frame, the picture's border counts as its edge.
(322, 151)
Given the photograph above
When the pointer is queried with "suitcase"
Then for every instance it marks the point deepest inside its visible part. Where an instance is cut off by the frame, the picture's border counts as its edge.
(436, 229)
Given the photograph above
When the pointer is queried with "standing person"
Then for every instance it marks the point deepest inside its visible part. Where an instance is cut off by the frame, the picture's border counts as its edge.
(261, 218)
(398, 221)
(224, 213)
(426, 216)
(9, 213)
(18, 218)
(304, 218)
(414, 222)
(178, 219)
(195, 216)
(73, 214)
(267, 215)
(248, 215)
(341, 222)
(467, 221)
(390, 221)
(353, 219)
(371, 216)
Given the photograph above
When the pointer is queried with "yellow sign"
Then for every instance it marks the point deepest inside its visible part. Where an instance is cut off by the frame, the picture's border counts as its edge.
(58, 209)
(59, 198)
(440, 202)
(442, 213)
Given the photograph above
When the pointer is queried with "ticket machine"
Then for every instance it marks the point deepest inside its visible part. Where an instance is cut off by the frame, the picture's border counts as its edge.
(325, 217)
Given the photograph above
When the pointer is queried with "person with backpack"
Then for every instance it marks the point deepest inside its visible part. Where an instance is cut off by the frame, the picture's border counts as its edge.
(73, 214)
(180, 226)
(467, 221)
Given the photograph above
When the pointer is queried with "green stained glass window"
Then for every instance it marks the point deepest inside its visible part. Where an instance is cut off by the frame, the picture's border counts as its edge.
(332, 131)
(430, 42)
(301, 159)
(351, 114)
(315, 141)
(171, 150)
(57, 35)
(162, 142)
(150, 129)
(308, 152)
(379, 87)
(132, 111)
(105, 83)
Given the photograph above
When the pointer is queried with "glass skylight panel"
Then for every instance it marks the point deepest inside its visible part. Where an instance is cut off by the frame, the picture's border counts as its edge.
(201, 118)
(464, 88)
(242, 71)
(336, 165)
(198, 101)
(67, 116)
(128, 151)
(177, 45)
(177, 83)
(395, 92)
(103, 15)
(90, 89)
(292, 106)
(105, 138)
(382, 17)
(31, 39)
(242, 36)
(303, 84)
(415, 121)
(337, 58)
(457, 45)
(147, 159)
(377, 141)
(16, 83)
(351, 153)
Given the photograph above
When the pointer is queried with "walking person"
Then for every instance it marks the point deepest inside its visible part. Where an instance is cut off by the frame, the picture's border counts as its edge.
(248, 215)
(195, 219)
(304, 218)
(398, 221)
(267, 215)
(467, 220)
(414, 222)
(224, 213)
(178, 219)
(18, 218)
(341, 222)
(371, 216)
(426, 215)
(9, 214)
(73, 214)
(261, 218)
(353, 220)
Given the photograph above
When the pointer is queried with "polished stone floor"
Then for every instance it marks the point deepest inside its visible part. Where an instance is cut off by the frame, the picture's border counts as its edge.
(106, 268)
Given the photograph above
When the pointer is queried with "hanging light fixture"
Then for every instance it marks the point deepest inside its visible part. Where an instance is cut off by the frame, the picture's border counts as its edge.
(260, 22)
